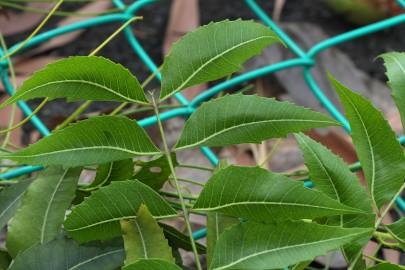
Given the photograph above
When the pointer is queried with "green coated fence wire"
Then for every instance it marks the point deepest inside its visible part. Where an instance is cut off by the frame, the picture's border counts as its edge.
(304, 59)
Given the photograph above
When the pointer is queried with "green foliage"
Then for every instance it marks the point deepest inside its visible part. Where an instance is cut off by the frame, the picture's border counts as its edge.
(144, 239)
(386, 266)
(151, 264)
(263, 196)
(42, 211)
(5, 260)
(98, 216)
(236, 119)
(10, 200)
(65, 254)
(97, 79)
(395, 65)
(112, 171)
(217, 223)
(155, 172)
(111, 138)
(380, 154)
(256, 219)
(397, 229)
(270, 246)
(333, 177)
(212, 52)
(177, 239)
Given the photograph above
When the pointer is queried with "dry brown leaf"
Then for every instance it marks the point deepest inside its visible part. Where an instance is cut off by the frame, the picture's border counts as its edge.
(15, 23)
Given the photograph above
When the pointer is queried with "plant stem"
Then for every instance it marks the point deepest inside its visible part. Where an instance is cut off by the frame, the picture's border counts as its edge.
(26, 119)
(191, 182)
(374, 258)
(57, 13)
(191, 166)
(271, 153)
(381, 237)
(183, 206)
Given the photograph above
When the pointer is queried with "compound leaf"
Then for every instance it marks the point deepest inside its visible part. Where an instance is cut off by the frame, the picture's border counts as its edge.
(377, 147)
(82, 78)
(66, 254)
(41, 214)
(98, 216)
(260, 195)
(144, 239)
(395, 65)
(333, 177)
(96, 140)
(151, 264)
(236, 119)
(270, 246)
(212, 52)
(10, 200)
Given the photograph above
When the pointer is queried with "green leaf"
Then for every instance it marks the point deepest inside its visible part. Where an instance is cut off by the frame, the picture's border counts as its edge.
(260, 195)
(397, 230)
(144, 239)
(177, 239)
(5, 260)
(377, 147)
(43, 208)
(151, 264)
(111, 138)
(98, 216)
(155, 173)
(64, 254)
(82, 78)
(10, 200)
(332, 176)
(395, 65)
(267, 246)
(216, 225)
(386, 266)
(112, 171)
(212, 52)
(235, 119)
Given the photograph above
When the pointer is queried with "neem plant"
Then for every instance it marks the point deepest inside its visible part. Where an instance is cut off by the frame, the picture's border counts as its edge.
(257, 219)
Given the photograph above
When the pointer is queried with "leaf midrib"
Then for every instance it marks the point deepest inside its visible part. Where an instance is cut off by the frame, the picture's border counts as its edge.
(44, 220)
(272, 203)
(82, 82)
(320, 163)
(95, 258)
(286, 247)
(114, 219)
(369, 144)
(212, 60)
(84, 149)
(248, 124)
(145, 251)
(11, 204)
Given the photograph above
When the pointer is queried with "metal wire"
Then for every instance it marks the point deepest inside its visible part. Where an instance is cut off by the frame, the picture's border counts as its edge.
(304, 59)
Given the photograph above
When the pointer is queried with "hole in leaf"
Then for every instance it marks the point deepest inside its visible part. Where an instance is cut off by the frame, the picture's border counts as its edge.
(155, 169)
